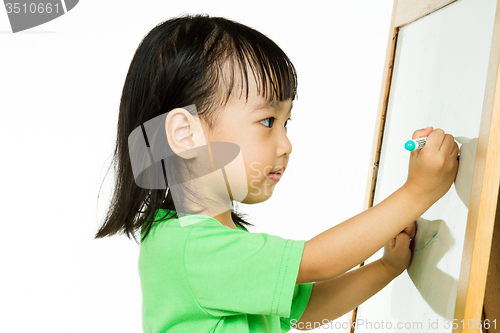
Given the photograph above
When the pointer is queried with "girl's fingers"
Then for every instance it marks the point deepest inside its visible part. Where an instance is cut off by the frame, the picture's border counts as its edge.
(392, 243)
(455, 149)
(422, 132)
(402, 241)
(435, 139)
(448, 143)
(411, 230)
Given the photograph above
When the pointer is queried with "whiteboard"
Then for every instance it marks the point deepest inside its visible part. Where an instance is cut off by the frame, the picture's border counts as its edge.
(439, 79)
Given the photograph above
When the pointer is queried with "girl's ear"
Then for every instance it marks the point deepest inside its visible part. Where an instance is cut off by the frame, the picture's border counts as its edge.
(184, 133)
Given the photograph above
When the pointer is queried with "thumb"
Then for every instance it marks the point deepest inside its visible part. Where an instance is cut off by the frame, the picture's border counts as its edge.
(422, 132)
(402, 241)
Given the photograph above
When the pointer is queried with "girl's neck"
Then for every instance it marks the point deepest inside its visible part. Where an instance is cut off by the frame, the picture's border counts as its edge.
(226, 219)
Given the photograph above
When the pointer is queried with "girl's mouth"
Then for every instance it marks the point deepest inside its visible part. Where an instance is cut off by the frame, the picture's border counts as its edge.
(274, 176)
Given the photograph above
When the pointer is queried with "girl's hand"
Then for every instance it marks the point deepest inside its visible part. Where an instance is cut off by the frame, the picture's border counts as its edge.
(433, 168)
(398, 252)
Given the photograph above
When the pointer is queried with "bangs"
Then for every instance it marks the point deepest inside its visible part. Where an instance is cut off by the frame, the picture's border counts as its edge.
(246, 49)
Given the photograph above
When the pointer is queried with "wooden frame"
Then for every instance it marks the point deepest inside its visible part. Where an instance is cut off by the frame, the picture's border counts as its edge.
(486, 179)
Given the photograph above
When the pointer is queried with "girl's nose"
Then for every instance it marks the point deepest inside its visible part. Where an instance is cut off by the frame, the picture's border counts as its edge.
(284, 146)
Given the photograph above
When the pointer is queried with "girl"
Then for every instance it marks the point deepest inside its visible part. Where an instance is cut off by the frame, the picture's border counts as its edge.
(204, 111)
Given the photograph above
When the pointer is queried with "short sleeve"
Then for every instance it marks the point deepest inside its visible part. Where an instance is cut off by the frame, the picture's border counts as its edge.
(233, 271)
(301, 296)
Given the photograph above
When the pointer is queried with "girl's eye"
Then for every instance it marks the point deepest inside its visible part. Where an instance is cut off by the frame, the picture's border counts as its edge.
(273, 119)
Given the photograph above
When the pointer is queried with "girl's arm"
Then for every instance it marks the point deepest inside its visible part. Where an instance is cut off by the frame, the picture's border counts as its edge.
(333, 298)
(432, 170)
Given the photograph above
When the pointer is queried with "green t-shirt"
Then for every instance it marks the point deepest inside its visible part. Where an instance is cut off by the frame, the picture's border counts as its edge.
(199, 275)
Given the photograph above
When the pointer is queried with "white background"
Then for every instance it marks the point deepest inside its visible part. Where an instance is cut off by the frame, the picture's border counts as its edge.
(60, 87)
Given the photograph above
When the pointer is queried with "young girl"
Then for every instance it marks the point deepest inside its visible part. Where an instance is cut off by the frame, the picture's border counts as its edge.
(204, 111)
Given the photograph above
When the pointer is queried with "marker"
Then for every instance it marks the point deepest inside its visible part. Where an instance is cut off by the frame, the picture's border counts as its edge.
(411, 145)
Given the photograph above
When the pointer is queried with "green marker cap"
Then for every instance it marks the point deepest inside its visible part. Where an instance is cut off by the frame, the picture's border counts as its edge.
(410, 145)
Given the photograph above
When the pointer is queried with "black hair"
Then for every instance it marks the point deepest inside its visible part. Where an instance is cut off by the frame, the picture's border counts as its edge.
(191, 59)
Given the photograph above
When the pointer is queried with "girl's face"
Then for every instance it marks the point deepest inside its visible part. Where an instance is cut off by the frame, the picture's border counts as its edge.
(258, 127)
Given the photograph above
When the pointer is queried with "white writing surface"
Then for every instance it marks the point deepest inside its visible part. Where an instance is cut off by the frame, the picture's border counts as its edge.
(439, 80)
